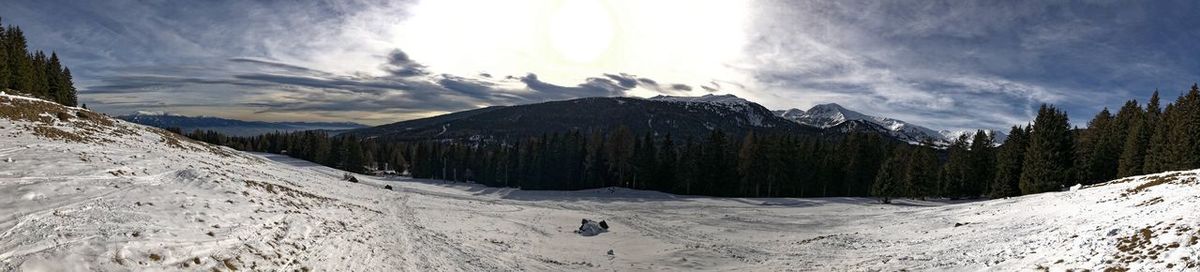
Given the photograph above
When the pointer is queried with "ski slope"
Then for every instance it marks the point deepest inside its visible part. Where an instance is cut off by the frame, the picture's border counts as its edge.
(92, 193)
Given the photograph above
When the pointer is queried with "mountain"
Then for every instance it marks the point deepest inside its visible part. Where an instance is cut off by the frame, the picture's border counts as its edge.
(790, 114)
(230, 126)
(834, 116)
(83, 192)
(680, 116)
(998, 137)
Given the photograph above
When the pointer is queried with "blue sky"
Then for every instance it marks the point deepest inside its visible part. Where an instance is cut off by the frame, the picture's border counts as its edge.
(942, 64)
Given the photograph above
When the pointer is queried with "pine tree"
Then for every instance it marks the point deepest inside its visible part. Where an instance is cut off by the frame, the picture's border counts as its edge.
(646, 161)
(687, 181)
(921, 173)
(620, 154)
(1009, 163)
(1098, 151)
(891, 176)
(596, 161)
(749, 164)
(20, 62)
(71, 97)
(717, 175)
(33, 73)
(1049, 157)
(1156, 156)
(1133, 149)
(54, 79)
(4, 57)
(983, 163)
(782, 156)
(668, 157)
(863, 156)
(955, 174)
(354, 157)
(1182, 120)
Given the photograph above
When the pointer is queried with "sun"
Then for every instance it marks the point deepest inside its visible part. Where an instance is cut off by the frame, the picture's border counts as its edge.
(580, 31)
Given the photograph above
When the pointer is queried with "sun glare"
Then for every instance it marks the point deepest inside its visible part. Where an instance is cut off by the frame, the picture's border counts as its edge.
(566, 41)
(581, 30)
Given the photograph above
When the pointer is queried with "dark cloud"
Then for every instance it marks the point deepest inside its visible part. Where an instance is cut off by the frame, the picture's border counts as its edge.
(399, 64)
(624, 80)
(593, 87)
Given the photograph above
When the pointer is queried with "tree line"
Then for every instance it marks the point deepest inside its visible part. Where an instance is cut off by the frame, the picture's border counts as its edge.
(756, 165)
(33, 73)
(1045, 155)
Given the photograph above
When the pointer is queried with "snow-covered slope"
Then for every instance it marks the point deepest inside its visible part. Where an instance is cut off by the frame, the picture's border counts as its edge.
(790, 114)
(85, 192)
(755, 114)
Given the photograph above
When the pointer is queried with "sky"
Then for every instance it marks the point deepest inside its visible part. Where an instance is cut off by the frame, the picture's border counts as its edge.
(941, 64)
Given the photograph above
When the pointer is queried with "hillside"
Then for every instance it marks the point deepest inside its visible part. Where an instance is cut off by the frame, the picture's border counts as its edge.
(80, 191)
(681, 118)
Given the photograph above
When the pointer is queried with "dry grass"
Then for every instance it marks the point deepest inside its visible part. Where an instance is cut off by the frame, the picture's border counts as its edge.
(53, 121)
(57, 134)
(45, 119)
(1153, 181)
(28, 111)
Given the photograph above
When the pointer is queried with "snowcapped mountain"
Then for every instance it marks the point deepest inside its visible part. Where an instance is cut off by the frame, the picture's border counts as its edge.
(832, 115)
(998, 137)
(83, 192)
(752, 112)
(790, 114)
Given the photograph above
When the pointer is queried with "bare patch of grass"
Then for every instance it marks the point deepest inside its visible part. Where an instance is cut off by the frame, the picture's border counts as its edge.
(1154, 181)
(56, 134)
(1152, 201)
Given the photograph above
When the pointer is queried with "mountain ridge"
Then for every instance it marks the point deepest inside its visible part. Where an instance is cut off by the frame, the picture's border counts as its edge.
(233, 127)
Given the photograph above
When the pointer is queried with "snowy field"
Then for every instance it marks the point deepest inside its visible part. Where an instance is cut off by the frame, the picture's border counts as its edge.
(86, 193)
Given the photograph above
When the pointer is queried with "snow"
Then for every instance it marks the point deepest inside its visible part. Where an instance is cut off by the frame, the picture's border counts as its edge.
(136, 201)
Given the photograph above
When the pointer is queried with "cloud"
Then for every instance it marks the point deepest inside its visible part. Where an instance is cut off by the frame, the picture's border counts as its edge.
(398, 64)
(276, 87)
(960, 64)
(943, 64)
